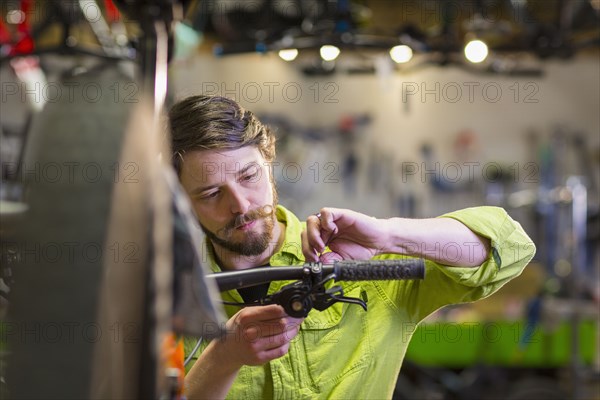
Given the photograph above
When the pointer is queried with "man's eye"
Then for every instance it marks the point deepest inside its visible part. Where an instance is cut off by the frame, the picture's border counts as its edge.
(210, 195)
(250, 177)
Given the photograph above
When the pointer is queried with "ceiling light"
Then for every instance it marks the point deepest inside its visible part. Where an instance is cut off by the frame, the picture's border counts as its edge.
(288, 54)
(401, 54)
(329, 53)
(476, 51)
(15, 17)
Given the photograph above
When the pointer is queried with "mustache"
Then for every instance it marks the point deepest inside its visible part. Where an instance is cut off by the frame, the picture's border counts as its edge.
(243, 219)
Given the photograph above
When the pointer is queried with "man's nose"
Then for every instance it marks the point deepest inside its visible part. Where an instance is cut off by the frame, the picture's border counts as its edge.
(239, 203)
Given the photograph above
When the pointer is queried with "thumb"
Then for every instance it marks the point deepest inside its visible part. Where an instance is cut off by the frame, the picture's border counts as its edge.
(329, 258)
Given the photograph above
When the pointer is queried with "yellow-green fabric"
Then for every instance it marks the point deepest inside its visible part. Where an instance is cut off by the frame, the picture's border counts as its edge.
(347, 353)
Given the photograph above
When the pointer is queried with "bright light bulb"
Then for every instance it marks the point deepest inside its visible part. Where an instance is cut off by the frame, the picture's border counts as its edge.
(15, 17)
(288, 54)
(329, 53)
(476, 51)
(401, 54)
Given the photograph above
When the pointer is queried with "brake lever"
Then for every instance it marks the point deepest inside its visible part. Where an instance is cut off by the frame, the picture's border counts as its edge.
(298, 298)
(351, 300)
(330, 296)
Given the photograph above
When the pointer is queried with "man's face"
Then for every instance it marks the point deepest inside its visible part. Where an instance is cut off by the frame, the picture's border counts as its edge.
(233, 196)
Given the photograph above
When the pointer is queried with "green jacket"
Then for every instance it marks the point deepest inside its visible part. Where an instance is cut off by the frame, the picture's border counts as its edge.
(347, 353)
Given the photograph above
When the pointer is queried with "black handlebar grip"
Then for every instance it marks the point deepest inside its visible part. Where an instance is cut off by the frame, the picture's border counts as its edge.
(374, 270)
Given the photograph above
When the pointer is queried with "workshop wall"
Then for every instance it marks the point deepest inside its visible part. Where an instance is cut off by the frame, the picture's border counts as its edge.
(384, 120)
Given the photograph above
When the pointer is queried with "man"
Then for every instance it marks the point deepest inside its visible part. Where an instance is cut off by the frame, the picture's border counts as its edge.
(222, 155)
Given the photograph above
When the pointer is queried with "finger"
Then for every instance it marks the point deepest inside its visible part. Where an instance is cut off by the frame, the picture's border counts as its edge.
(328, 236)
(271, 342)
(259, 313)
(285, 324)
(310, 253)
(328, 219)
(256, 330)
(330, 258)
(292, 325)
(265, 343)
(329, 228)
(270, 348)
(313, 233)
(291, 321)
(272, 354)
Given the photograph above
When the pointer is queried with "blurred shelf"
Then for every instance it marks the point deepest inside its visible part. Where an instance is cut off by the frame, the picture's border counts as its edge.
(500, 343)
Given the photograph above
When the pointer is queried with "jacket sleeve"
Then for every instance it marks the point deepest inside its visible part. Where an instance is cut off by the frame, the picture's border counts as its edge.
(511, 250)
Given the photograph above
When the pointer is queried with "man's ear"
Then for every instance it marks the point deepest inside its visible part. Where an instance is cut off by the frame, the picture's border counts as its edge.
(177, 163)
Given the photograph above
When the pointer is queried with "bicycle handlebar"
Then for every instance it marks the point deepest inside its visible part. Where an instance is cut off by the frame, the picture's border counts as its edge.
(348, 270)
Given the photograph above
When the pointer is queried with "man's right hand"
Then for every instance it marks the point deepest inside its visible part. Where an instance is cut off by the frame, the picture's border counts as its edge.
(256, 335)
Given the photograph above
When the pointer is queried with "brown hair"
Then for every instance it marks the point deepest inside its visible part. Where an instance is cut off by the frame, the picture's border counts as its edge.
(215, 122)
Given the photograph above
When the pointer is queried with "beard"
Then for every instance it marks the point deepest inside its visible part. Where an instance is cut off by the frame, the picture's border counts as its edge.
(253, 243)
